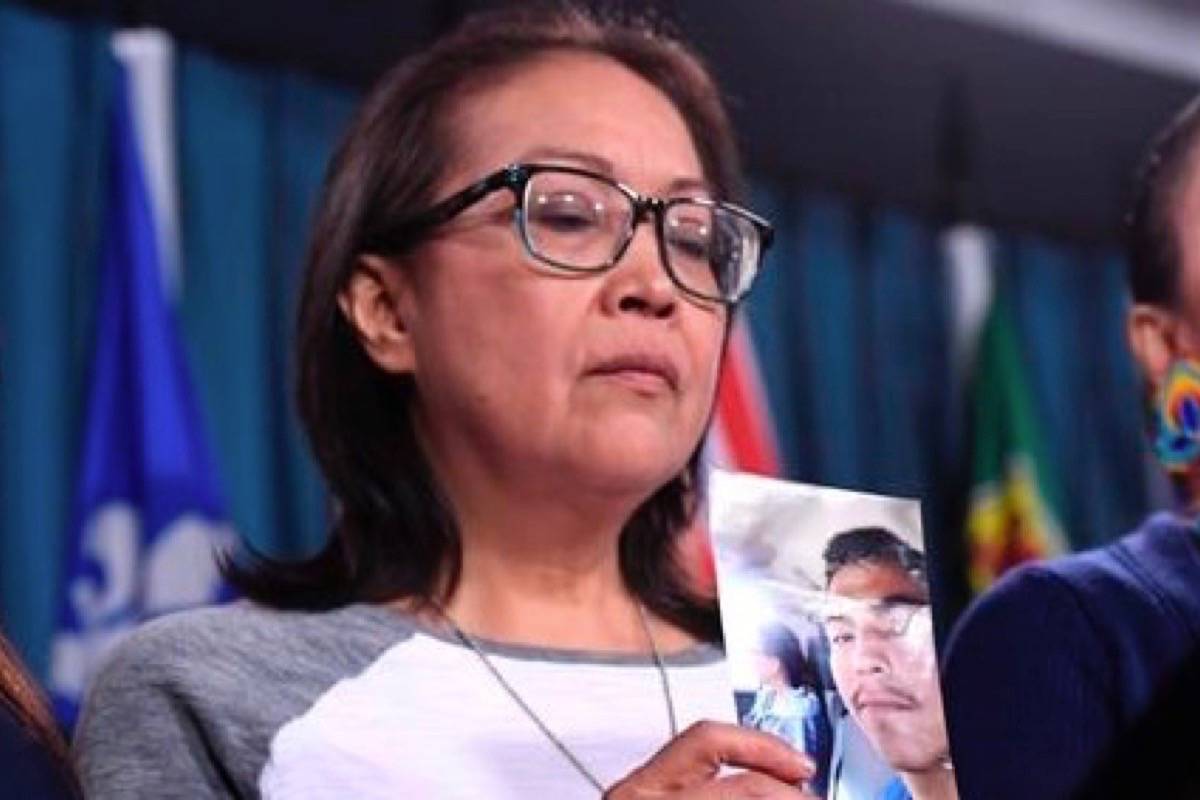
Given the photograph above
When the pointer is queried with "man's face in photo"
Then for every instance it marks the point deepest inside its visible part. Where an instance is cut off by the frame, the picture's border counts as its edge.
(882, 657)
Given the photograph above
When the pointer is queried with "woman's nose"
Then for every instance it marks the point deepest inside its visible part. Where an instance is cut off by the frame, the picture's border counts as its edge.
(639, 283)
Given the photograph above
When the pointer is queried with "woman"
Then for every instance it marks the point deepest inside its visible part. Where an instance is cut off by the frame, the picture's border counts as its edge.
(505, 378)
(33, 756)
(1076, 678)
(788, 701)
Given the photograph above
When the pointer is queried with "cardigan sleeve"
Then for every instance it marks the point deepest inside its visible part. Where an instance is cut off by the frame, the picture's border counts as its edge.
(1028, 690)
(139, 735)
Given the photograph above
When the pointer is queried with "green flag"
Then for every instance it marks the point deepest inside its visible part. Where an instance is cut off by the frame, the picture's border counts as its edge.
(1014, 504)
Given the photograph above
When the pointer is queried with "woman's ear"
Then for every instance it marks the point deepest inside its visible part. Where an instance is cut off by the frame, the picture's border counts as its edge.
(374, 302)
(1157, 339)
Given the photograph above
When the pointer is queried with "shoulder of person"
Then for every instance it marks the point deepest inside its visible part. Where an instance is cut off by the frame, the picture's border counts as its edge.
(246, 636)
(240, 663)
(1041, 608)
(1165, 553)
(1121, 581)
(1028, 677)
(1044, 667)
(192, 700)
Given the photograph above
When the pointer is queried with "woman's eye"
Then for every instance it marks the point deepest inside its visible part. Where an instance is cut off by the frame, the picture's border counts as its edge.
(691, 247)
(690, 241)
(565, 213)
(690, 237)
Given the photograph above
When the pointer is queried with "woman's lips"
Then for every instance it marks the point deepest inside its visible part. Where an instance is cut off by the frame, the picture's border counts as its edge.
(643, 372)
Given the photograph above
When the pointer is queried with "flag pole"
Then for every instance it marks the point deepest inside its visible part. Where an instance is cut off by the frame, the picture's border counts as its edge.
(964, 248)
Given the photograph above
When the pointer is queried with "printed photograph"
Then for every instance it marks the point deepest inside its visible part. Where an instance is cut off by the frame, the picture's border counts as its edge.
(828, 629)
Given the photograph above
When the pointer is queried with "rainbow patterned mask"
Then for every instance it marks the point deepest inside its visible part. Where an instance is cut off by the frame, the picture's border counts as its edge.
(1177, 417)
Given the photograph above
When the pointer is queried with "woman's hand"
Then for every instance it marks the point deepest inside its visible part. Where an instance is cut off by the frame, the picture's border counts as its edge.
(689, 767)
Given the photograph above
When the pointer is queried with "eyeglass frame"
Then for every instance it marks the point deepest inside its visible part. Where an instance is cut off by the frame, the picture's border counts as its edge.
(516, 176)
(875, 608)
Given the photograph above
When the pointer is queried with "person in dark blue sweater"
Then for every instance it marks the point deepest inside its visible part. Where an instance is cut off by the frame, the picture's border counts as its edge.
(1079, 677)
(33, 757)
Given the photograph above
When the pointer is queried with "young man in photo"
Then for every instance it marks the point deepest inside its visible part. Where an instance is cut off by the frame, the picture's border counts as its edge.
(877, 619)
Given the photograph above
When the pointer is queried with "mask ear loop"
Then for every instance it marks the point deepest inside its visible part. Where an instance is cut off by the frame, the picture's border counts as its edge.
(1176, 417)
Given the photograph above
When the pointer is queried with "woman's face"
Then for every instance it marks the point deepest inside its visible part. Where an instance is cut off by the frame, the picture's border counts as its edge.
(1186, 222)
(582, 383)
(769, 667)
(1160, 336)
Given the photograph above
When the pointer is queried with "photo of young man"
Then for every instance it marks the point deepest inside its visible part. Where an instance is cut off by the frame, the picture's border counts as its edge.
(878, 624)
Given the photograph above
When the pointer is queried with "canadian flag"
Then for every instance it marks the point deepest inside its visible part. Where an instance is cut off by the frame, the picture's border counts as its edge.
(742, 437)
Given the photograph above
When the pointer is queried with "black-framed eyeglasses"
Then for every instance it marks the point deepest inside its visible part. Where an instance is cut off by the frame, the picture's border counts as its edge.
(577, 220)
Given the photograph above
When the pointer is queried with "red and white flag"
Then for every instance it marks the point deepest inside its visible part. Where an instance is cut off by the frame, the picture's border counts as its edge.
(741, 439)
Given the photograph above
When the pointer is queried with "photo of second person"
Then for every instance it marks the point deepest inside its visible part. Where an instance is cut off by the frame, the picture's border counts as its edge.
(826, 608)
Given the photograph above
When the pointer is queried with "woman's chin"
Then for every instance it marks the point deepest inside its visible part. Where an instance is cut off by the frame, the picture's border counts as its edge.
(633, 471)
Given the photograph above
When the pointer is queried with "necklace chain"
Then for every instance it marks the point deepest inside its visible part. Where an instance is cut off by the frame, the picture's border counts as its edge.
(558, 743)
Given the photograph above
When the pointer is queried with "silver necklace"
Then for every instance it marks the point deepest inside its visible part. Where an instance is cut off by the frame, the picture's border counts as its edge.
(558, 743)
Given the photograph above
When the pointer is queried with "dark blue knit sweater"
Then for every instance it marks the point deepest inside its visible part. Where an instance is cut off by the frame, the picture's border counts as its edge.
(1072, 677)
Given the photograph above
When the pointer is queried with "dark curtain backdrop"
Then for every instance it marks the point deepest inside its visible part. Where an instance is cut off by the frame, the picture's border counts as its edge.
(850, 319)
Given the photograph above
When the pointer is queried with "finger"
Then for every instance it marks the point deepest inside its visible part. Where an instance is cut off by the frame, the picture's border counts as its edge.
(760, 752)
(749, 786)
(700, 751)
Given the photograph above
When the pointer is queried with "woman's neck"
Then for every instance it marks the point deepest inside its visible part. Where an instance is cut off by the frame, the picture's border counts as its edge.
(777, 683)
(551, 585)
(546, 610)
(1187, 492)
(540, 562)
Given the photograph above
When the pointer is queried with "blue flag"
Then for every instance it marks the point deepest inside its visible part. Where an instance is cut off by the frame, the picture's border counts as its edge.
(148, 514)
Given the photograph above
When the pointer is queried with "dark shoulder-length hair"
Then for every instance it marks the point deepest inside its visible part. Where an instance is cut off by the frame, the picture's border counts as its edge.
(394, 532)
(779, 642)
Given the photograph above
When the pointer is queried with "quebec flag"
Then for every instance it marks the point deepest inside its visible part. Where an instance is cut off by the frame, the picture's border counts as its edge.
(148, 516)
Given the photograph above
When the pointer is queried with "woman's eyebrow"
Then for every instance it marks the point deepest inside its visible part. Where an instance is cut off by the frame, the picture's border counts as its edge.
(598, 163)
(678, 186)
(690, 186)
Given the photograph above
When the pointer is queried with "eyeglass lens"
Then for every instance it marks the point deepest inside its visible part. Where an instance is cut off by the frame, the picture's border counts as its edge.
(578, 222)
